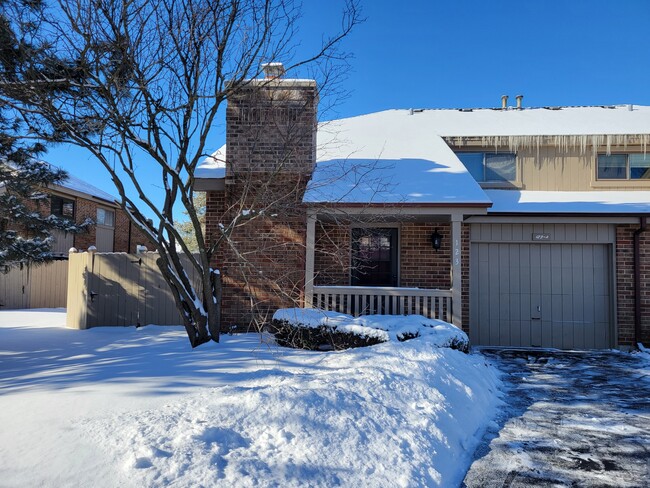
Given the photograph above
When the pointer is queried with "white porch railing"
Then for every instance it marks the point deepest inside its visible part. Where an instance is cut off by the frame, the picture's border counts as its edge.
(357, 300)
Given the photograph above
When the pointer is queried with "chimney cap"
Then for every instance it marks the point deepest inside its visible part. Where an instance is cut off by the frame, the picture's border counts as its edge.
(273, 70)
(504, 101)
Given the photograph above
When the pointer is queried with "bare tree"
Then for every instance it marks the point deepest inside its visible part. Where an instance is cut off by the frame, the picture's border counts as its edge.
(145, 83)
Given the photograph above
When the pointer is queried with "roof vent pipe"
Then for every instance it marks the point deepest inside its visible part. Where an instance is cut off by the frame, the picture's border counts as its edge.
(519, 99)
(504, 102)
(630, 107)
(273, 70)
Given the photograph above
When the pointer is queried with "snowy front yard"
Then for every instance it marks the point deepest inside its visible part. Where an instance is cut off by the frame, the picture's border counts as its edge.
(127, 407)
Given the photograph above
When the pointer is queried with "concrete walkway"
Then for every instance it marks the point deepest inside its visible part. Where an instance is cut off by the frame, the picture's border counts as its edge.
(572, 419)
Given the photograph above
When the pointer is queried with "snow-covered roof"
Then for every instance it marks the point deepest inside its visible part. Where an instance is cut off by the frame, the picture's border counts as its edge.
(214, 166)
(569, 202)
(75, 184)
(551, 121)
(361, 162)
(400, 156)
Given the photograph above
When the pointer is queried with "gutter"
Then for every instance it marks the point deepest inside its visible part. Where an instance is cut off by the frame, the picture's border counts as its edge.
(637, 279)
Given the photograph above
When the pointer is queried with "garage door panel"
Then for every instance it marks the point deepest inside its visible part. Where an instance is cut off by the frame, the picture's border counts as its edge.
(570, 283)
(515, 307)
(589, 336)
(601, 335)
(495, 338)
(516, 331)
(525, 328)
(504, 332)
(546, 336)
(524, 273)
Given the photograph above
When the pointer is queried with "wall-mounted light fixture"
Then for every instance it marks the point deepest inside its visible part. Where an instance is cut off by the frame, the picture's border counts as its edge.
(436, 240)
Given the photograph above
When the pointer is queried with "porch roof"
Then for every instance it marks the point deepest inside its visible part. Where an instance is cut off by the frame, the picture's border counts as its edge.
(375, 160)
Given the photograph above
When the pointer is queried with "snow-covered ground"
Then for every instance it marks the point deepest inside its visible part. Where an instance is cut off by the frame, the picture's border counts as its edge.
(127, 407)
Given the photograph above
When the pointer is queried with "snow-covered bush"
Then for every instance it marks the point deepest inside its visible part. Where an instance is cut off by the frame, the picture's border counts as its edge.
(320, 330)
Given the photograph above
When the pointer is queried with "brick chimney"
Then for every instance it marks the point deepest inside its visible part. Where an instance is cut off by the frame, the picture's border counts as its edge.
(271, 127)
(270, 157)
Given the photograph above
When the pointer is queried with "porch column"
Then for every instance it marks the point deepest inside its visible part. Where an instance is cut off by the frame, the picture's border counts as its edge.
(456, 265)
(310, 243)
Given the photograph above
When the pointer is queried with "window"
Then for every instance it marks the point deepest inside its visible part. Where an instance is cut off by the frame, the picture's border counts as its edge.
(374, 257)
(105, 217)
(624, 166)
(489, 166)
(62, 207)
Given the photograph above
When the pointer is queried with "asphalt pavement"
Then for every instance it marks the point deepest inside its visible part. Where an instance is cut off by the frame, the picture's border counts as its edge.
(569, 419)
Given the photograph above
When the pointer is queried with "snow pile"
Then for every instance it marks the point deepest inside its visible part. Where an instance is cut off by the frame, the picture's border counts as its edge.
(644, 352)
(125, 407)
(382, 327)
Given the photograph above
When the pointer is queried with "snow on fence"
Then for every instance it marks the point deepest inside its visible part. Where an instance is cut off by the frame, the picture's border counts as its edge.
(357, 300)
(119, 289)
(42, 286)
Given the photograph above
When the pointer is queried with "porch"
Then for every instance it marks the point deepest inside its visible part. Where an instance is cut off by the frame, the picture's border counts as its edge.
(425, 280)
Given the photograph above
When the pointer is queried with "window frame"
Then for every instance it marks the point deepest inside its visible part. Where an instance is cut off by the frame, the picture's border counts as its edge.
(492, 183)
(627, 179)
(106, 211)
(63, 202)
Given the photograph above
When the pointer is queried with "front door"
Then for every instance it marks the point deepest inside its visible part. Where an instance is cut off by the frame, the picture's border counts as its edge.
(374, 257)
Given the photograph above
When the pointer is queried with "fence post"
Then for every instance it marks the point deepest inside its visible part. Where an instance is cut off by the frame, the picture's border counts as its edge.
(78, 281)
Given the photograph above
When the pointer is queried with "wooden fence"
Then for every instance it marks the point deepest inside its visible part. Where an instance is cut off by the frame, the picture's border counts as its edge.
(118, 289)
(43, 286)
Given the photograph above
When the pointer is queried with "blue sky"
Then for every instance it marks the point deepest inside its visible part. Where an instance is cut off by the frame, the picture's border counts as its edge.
(467, 53)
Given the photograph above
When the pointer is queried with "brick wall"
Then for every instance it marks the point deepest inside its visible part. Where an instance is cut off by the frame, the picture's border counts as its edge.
(625, 284)
(270, 135)
(332, 254)
(421, 265)
(465, 266)
(262, 263)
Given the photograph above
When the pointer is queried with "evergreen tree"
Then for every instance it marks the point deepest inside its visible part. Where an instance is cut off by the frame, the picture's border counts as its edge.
(25, 224)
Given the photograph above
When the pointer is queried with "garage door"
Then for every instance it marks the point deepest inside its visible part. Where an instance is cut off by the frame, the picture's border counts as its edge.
(541, 295)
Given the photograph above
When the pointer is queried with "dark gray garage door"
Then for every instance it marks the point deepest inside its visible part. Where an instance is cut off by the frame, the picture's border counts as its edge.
(541, 295)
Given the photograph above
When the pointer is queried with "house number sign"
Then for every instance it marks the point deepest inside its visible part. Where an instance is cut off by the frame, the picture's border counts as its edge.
(456, 252)
(541, 237)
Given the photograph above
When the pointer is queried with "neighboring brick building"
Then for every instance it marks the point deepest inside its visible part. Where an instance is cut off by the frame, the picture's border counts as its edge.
(524, 226)
(78, 200)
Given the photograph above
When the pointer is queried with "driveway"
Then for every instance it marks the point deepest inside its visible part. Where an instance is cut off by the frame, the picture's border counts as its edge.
(571, 419)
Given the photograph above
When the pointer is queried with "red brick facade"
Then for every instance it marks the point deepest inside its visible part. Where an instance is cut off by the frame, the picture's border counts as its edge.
(420, 265)
(625, 284)
(465, 267)
(126, 237)
(270, 135)
(332, 254)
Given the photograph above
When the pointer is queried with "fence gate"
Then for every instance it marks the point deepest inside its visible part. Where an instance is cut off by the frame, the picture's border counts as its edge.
(117, 289)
